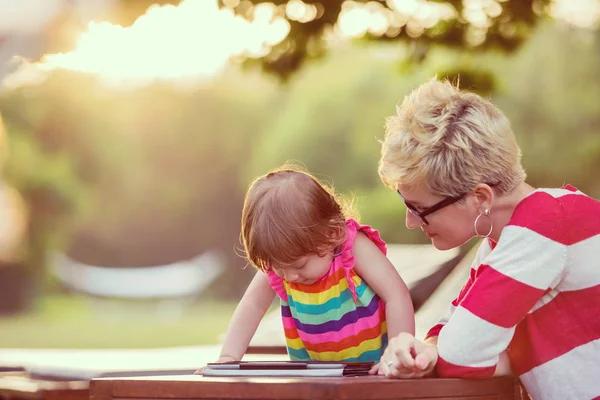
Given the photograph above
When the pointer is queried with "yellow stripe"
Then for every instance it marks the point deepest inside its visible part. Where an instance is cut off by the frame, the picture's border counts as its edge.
(352, 352)
(318, 298)
(295, 344)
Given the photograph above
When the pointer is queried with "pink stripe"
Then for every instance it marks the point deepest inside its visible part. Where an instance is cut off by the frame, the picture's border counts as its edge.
(465, 289)
(584, 216)
(541, 213)
(288, 323)
(434, 331)
(449, 370)
(347, 331)
(500, 299)
(567, 220)
(570, 320)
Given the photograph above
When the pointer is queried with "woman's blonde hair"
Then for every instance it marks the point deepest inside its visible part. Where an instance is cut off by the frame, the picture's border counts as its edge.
(449, 140)
(289, 214)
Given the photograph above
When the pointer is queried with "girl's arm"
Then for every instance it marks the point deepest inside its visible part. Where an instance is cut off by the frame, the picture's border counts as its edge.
(375, 268)
(246, 318)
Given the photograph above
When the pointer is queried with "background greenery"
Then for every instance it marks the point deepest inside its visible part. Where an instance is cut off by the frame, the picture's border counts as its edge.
(155, 175)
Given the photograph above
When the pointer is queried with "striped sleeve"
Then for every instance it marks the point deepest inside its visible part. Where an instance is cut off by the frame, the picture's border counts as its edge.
(528, 260)
(483, 250)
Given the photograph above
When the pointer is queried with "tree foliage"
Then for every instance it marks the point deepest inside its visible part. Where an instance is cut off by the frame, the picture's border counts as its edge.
(470, 25)
(166, 170)
(456, 24)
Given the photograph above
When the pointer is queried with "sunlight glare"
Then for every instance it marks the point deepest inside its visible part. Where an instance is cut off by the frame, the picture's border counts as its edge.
(190, 41)
(581, 13)
(356, 19)
(297, 10)
(195, 39)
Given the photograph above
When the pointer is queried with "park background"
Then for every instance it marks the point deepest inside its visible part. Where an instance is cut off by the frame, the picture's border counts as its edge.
(130, 141)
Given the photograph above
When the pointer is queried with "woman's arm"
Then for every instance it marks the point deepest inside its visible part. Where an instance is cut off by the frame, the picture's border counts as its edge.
(407, 357)
(246, 318)
(525, 264)
(379, 273)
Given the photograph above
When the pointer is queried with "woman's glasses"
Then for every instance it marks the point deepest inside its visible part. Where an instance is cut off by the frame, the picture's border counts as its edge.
(437, 206)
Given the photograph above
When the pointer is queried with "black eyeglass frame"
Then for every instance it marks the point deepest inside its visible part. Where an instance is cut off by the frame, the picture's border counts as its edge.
(436, 207)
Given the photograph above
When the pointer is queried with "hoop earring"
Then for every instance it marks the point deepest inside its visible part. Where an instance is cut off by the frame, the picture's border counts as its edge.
(485, 213)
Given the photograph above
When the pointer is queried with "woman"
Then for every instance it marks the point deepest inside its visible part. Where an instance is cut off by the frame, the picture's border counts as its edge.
(532, 301)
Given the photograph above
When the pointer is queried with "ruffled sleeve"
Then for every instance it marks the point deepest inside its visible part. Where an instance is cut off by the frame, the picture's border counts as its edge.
(346, 255)
(276, 283)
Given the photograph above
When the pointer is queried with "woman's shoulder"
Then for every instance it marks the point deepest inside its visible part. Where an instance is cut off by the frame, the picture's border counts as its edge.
(552, 211)
(547, 201)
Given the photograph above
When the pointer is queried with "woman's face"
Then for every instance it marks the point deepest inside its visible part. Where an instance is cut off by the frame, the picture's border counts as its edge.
(448, 227)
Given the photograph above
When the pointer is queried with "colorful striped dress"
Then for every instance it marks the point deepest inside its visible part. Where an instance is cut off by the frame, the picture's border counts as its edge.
(337, 318)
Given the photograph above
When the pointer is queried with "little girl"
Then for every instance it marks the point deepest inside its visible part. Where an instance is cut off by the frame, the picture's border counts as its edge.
(340, 296)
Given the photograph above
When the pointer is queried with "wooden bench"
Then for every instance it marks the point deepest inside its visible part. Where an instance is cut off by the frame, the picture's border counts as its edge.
(357, 388)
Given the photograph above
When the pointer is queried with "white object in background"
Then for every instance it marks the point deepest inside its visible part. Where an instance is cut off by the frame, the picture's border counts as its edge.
(179, 279)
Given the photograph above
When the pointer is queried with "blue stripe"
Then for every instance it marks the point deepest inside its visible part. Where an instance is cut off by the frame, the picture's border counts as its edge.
(335, 326)
(298, 354)
(334, 303)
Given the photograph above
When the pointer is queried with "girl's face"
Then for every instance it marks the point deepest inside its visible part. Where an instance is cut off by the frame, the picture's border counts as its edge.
(306, 270)
(448, 227)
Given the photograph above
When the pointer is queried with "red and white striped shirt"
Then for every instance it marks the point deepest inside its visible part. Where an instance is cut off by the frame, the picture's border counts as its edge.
(537, 293)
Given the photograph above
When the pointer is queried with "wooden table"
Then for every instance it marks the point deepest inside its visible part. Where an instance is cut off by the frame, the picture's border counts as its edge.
(211, 388)
(20, 386)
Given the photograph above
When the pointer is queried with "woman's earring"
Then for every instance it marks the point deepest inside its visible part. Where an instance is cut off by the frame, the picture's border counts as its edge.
(485, 213)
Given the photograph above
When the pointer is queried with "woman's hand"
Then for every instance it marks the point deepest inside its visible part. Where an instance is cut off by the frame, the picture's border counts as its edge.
(222, 359)
(407, 357)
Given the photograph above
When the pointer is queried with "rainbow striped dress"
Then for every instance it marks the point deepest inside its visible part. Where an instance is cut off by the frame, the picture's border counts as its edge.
(337, 318)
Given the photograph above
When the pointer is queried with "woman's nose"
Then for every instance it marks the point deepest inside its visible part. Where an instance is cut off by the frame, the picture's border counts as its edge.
(413, 221)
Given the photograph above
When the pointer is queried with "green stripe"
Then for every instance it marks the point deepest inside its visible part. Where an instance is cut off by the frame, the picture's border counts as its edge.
(320, 314)
(315, 306)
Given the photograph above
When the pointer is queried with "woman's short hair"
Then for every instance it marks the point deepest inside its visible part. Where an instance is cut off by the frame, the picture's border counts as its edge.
(289, 214)
(449, 140)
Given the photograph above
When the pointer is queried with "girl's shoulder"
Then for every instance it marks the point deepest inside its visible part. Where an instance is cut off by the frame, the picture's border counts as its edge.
(353, 229)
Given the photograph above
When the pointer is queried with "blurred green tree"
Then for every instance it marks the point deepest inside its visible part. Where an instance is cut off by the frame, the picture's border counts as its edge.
(456, 24)
(157, 167)
(551, 93)
(165, 170)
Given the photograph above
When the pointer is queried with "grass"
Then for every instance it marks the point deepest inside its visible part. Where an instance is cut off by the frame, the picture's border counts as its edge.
(66, 321)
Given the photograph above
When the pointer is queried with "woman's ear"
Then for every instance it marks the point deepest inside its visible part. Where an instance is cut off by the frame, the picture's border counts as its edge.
(484, 196)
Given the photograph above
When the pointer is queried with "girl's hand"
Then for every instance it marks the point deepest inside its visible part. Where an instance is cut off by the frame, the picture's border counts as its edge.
(222, 359)
(407, 357)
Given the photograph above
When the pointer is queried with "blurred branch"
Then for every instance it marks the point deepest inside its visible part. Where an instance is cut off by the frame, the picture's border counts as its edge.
(460, 24)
